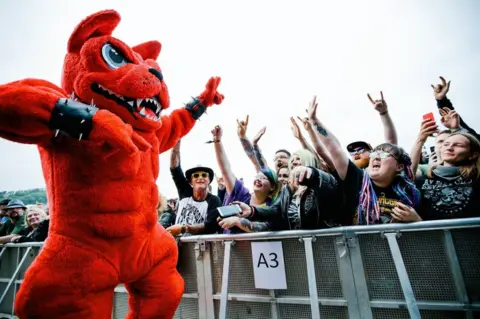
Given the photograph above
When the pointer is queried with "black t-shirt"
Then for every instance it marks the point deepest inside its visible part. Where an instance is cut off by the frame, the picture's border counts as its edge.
(352, 185)
(449, 197)
(191, 211)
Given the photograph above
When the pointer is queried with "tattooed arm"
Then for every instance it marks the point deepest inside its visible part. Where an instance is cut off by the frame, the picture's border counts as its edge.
(250, 151)
(262, 163)
(249, 226)
(339, 157)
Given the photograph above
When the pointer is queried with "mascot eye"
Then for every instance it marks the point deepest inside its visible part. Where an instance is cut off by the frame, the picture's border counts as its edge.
(113, 57)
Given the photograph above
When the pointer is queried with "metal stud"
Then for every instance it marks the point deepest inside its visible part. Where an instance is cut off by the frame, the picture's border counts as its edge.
(80, 137)
(56, 133)
(81, 122)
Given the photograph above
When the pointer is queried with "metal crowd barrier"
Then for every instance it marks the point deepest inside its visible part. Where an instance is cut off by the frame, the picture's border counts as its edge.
(418, 270)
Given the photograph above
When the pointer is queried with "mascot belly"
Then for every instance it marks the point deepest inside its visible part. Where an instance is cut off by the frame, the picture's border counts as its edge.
(99, 137)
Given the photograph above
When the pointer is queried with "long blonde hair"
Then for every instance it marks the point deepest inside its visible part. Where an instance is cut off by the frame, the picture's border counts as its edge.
(470, 169)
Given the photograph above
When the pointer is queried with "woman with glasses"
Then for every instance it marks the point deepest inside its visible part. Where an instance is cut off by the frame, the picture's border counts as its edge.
(264, 188)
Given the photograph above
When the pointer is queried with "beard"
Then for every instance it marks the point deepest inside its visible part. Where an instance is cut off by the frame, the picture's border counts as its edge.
(362, 162)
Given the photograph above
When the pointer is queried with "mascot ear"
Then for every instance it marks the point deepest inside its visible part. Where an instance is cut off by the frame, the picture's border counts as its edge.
(95, 25)
(148, 50)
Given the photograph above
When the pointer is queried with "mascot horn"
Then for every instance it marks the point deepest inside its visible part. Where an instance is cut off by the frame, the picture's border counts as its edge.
(99, 137)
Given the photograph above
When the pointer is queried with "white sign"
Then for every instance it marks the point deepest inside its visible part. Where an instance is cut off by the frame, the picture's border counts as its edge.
(268, 265)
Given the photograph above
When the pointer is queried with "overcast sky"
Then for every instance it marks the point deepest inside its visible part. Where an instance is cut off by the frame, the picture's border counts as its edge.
(272, 57)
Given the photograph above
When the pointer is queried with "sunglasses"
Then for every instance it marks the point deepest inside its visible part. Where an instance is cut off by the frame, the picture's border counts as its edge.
(200, 174)
(381, 155)
(283, 175)
(359, 151)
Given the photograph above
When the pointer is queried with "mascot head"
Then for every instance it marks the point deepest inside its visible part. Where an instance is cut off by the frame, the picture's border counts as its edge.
(126, 81)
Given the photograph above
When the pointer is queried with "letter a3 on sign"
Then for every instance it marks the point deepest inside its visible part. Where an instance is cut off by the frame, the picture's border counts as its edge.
(268, 265)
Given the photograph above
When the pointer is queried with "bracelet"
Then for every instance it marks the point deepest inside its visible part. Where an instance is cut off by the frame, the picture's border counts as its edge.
(383, 113)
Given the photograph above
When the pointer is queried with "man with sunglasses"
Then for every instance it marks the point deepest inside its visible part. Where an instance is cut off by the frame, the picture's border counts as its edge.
(197, 207)
(360, 153)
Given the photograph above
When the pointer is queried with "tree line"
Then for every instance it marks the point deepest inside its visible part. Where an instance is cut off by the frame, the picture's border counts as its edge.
(28, 196)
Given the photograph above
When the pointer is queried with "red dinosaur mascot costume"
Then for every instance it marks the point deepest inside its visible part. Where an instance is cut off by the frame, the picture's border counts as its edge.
(99, 149)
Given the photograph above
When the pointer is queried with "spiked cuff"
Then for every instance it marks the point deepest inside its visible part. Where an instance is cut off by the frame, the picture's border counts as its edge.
(72, 117)
(196, 108)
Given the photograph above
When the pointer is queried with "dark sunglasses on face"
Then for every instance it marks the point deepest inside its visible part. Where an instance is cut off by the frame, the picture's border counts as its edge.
(283, 176)
(359, 151)
(197, 175)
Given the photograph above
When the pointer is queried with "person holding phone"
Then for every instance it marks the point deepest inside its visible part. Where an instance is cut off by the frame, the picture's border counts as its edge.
(264, 189)
(197, 207)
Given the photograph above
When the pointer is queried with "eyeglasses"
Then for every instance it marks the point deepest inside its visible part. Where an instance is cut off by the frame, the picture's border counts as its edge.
(200, 174)
(381, 155)
(359, 151)
(261, 178)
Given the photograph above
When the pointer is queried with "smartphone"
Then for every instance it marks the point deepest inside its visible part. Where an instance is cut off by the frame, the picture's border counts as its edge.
(429, 116)
(228, 211)
(432, 149)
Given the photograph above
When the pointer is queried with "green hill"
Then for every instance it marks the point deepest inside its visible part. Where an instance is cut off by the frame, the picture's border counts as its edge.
(28, 196)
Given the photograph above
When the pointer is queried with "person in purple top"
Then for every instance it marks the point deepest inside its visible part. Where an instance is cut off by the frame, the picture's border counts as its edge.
(265, 186)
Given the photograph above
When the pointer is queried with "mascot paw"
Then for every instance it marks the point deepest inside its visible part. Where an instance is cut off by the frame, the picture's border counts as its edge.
(109, 128)
(211, 96)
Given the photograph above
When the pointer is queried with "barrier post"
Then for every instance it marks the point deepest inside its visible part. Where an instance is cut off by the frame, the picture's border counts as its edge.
(412, 306)
(358, 271)
(225, 279)
(312, 280)
(454, 266)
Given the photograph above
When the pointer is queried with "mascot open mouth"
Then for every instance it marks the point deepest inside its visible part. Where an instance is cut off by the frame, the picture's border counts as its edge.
(149, 108)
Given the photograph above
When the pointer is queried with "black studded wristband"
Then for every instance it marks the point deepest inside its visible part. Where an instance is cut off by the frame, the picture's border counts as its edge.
(73, 118)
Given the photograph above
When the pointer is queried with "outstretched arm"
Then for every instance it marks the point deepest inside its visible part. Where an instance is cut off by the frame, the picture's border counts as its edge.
(440, 93)
(181, 121)
(389, 130)
(333, 146)
(246, 144)
(183, 186)
(34, 111)
(26, 107)
(222, 160)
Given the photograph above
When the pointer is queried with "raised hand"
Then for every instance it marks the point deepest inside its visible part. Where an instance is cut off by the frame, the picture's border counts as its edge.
(259, 135)
(379, 105)
(242, 128)
(441, 90)
(312, 108)
(306, 122)
(428, 128)
(450, 118)
(217, 133)
(211, 96)
(295, 129)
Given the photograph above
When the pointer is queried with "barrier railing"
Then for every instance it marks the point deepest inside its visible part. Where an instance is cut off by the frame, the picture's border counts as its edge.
(418, 270)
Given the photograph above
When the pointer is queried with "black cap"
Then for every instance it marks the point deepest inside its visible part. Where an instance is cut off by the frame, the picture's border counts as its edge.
(352, 146)
(189, 173)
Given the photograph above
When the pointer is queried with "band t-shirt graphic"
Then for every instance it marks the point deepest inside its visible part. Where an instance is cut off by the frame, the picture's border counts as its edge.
(387, 199)
(191, 212)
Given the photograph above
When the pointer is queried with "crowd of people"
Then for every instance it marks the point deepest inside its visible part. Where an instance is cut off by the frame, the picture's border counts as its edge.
(324, 185)
(319, 185)
(22, 223)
